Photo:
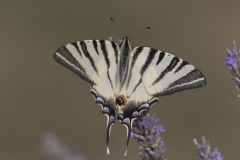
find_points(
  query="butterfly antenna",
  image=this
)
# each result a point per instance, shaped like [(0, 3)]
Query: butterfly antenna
[(139, 31), (127, 143), (118, 27)]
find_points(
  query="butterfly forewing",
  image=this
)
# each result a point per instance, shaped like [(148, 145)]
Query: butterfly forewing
[(164, 74), (90, 59)]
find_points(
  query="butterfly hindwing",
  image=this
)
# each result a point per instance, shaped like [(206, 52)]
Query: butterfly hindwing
[(108, 109)]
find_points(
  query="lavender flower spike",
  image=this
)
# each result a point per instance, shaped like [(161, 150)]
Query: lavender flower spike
[(204, 151), (52, 148), (233, 63), (147, 132)]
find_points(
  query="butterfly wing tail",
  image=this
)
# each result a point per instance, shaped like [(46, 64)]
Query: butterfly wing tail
[(128, 124), (108, 110), (110, 113), (128, 137), (110, 122)]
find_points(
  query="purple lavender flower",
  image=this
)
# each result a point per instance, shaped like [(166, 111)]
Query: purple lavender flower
[(53, 149), (147, 132), (216, 155), (120, 41), (203, 151), (233, 63)]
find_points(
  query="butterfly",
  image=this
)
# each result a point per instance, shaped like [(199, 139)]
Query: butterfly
[(126, 80)]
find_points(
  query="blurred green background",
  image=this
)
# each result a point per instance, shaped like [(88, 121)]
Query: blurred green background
[(38, 95)]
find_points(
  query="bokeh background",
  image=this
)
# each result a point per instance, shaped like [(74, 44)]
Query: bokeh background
[(38, 95)]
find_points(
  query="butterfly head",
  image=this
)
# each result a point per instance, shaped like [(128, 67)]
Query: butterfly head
[(125, 42)]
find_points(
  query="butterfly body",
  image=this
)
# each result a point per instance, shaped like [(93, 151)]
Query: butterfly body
[(125, 80)]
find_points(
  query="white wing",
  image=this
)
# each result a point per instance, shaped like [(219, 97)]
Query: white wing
[(92, 60), (163, 73)]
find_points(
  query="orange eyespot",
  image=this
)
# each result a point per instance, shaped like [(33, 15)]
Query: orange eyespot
[(121, 100)]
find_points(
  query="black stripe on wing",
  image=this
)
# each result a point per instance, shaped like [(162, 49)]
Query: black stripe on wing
[(169, 68), (183, 64), (64, 57), (105, 53), (134, 58), (153, 101), (95, 46), (77, 48), (88, 56), (135, 87), (114, 45), (110, 80), (194, 79), (160, 58), (94, 95), (150, 57)]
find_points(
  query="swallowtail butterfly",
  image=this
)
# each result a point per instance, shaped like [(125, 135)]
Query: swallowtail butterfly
[(127, 80)]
